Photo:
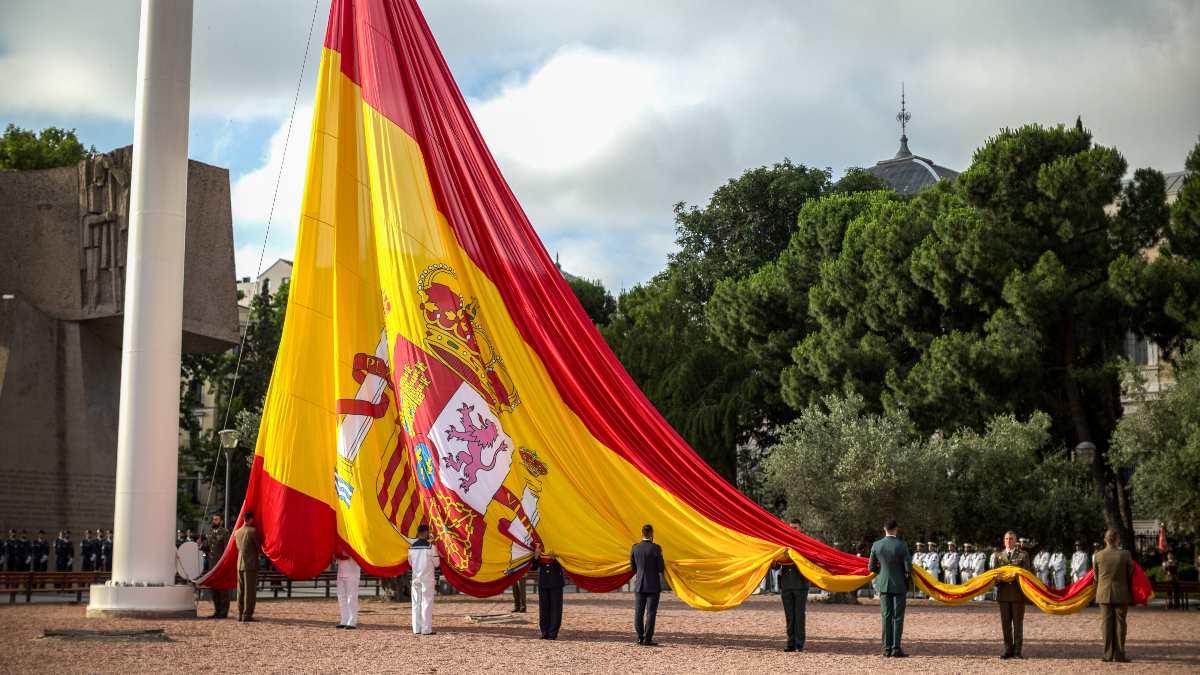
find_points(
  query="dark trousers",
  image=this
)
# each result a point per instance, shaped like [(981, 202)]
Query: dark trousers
[(1012, 620), (220, 599), (644, 611), (518, 591), (247, 593), (1114, 631), (891, 607), (794, 604), (550, 606)]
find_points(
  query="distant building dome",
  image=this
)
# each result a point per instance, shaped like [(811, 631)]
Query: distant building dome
[(907, 173)]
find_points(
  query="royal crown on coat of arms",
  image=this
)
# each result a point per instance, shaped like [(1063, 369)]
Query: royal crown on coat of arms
[(455, 336)]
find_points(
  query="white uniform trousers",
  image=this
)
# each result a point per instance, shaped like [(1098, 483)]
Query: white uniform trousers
[(348, 573), (422, 605)]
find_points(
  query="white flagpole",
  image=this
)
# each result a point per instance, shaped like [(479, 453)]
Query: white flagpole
[(143, 579)]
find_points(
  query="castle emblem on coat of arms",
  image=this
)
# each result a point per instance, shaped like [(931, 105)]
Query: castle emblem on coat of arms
[(455, 337)]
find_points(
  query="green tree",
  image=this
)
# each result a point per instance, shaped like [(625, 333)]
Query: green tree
[(710, 393), (239, 401), (765, 314), (1014, 475), (23, 149), (843, 472), (860, 180), (992, 296), (1164, 289), (1160, 444), (595, 298)]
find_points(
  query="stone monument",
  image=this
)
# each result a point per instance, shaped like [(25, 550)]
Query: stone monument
[(63, 238)]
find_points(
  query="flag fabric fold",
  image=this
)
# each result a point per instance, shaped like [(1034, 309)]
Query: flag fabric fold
[(435, 367)]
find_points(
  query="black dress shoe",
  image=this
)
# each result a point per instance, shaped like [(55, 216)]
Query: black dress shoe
[(898, 654), (1006, 655), (789, 649), (340, 625), (649, 643), (641, 641), (351, 627)]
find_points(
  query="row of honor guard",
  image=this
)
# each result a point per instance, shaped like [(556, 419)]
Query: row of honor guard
[(1053, 568), (19, 553)]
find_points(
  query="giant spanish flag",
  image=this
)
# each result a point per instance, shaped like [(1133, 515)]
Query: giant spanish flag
[(436, 368)]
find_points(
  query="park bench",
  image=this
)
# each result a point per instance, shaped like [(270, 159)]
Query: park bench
[(1186, 588), (29, 583)]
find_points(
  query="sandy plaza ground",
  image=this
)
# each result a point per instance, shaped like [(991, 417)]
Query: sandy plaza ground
[(298, 636)]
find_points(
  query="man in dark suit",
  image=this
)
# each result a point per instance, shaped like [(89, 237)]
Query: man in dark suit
[(1114, 593), (892, 564), (793, 589), (1010, 597), (550, 592), (646, 559)]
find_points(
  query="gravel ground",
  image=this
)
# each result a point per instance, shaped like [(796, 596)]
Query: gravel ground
[(298, 635)]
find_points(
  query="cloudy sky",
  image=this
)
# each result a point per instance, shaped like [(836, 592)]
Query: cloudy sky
[(604, 114)]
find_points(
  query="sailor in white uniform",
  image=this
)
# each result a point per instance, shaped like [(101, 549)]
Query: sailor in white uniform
[(1041, 566), (1079, 562), (950, 564), (933, 561), (423, 560), (348, 573), (1058, 568)]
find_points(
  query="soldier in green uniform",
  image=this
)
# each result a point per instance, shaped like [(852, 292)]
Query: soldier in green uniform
[(249, 544), (214, 546), (892, 564), (793, 589), (1010, 597), (1114, 593)]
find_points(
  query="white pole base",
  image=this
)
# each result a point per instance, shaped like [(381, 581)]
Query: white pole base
[(142, 602)]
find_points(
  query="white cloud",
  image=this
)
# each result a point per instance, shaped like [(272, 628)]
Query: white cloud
[(79, 57), (603, 115), (253, 194)]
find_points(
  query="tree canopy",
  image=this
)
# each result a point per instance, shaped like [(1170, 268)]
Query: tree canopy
[(23, 149), (1160, 444), (993, 295), (843, 470)]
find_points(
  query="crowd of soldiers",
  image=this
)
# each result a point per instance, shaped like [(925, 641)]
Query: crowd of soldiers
[(19, 553), (1050, 564)]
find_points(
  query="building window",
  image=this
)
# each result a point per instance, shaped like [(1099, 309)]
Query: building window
[(1140, 351)]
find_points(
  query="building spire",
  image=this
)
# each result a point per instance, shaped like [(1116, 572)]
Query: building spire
[(903, 118)]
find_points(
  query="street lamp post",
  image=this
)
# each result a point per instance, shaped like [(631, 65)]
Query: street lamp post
[(229, 439)]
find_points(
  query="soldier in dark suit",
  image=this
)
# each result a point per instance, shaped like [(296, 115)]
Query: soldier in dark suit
[(1114, 593), (64, 552), (24, 552), (1010, 597), (106, 549), (8, 550), (891, 562), (41, 552), (551, 581), (647, 562), (793, 590), (249, 543), (87, 552), (214, 546)]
